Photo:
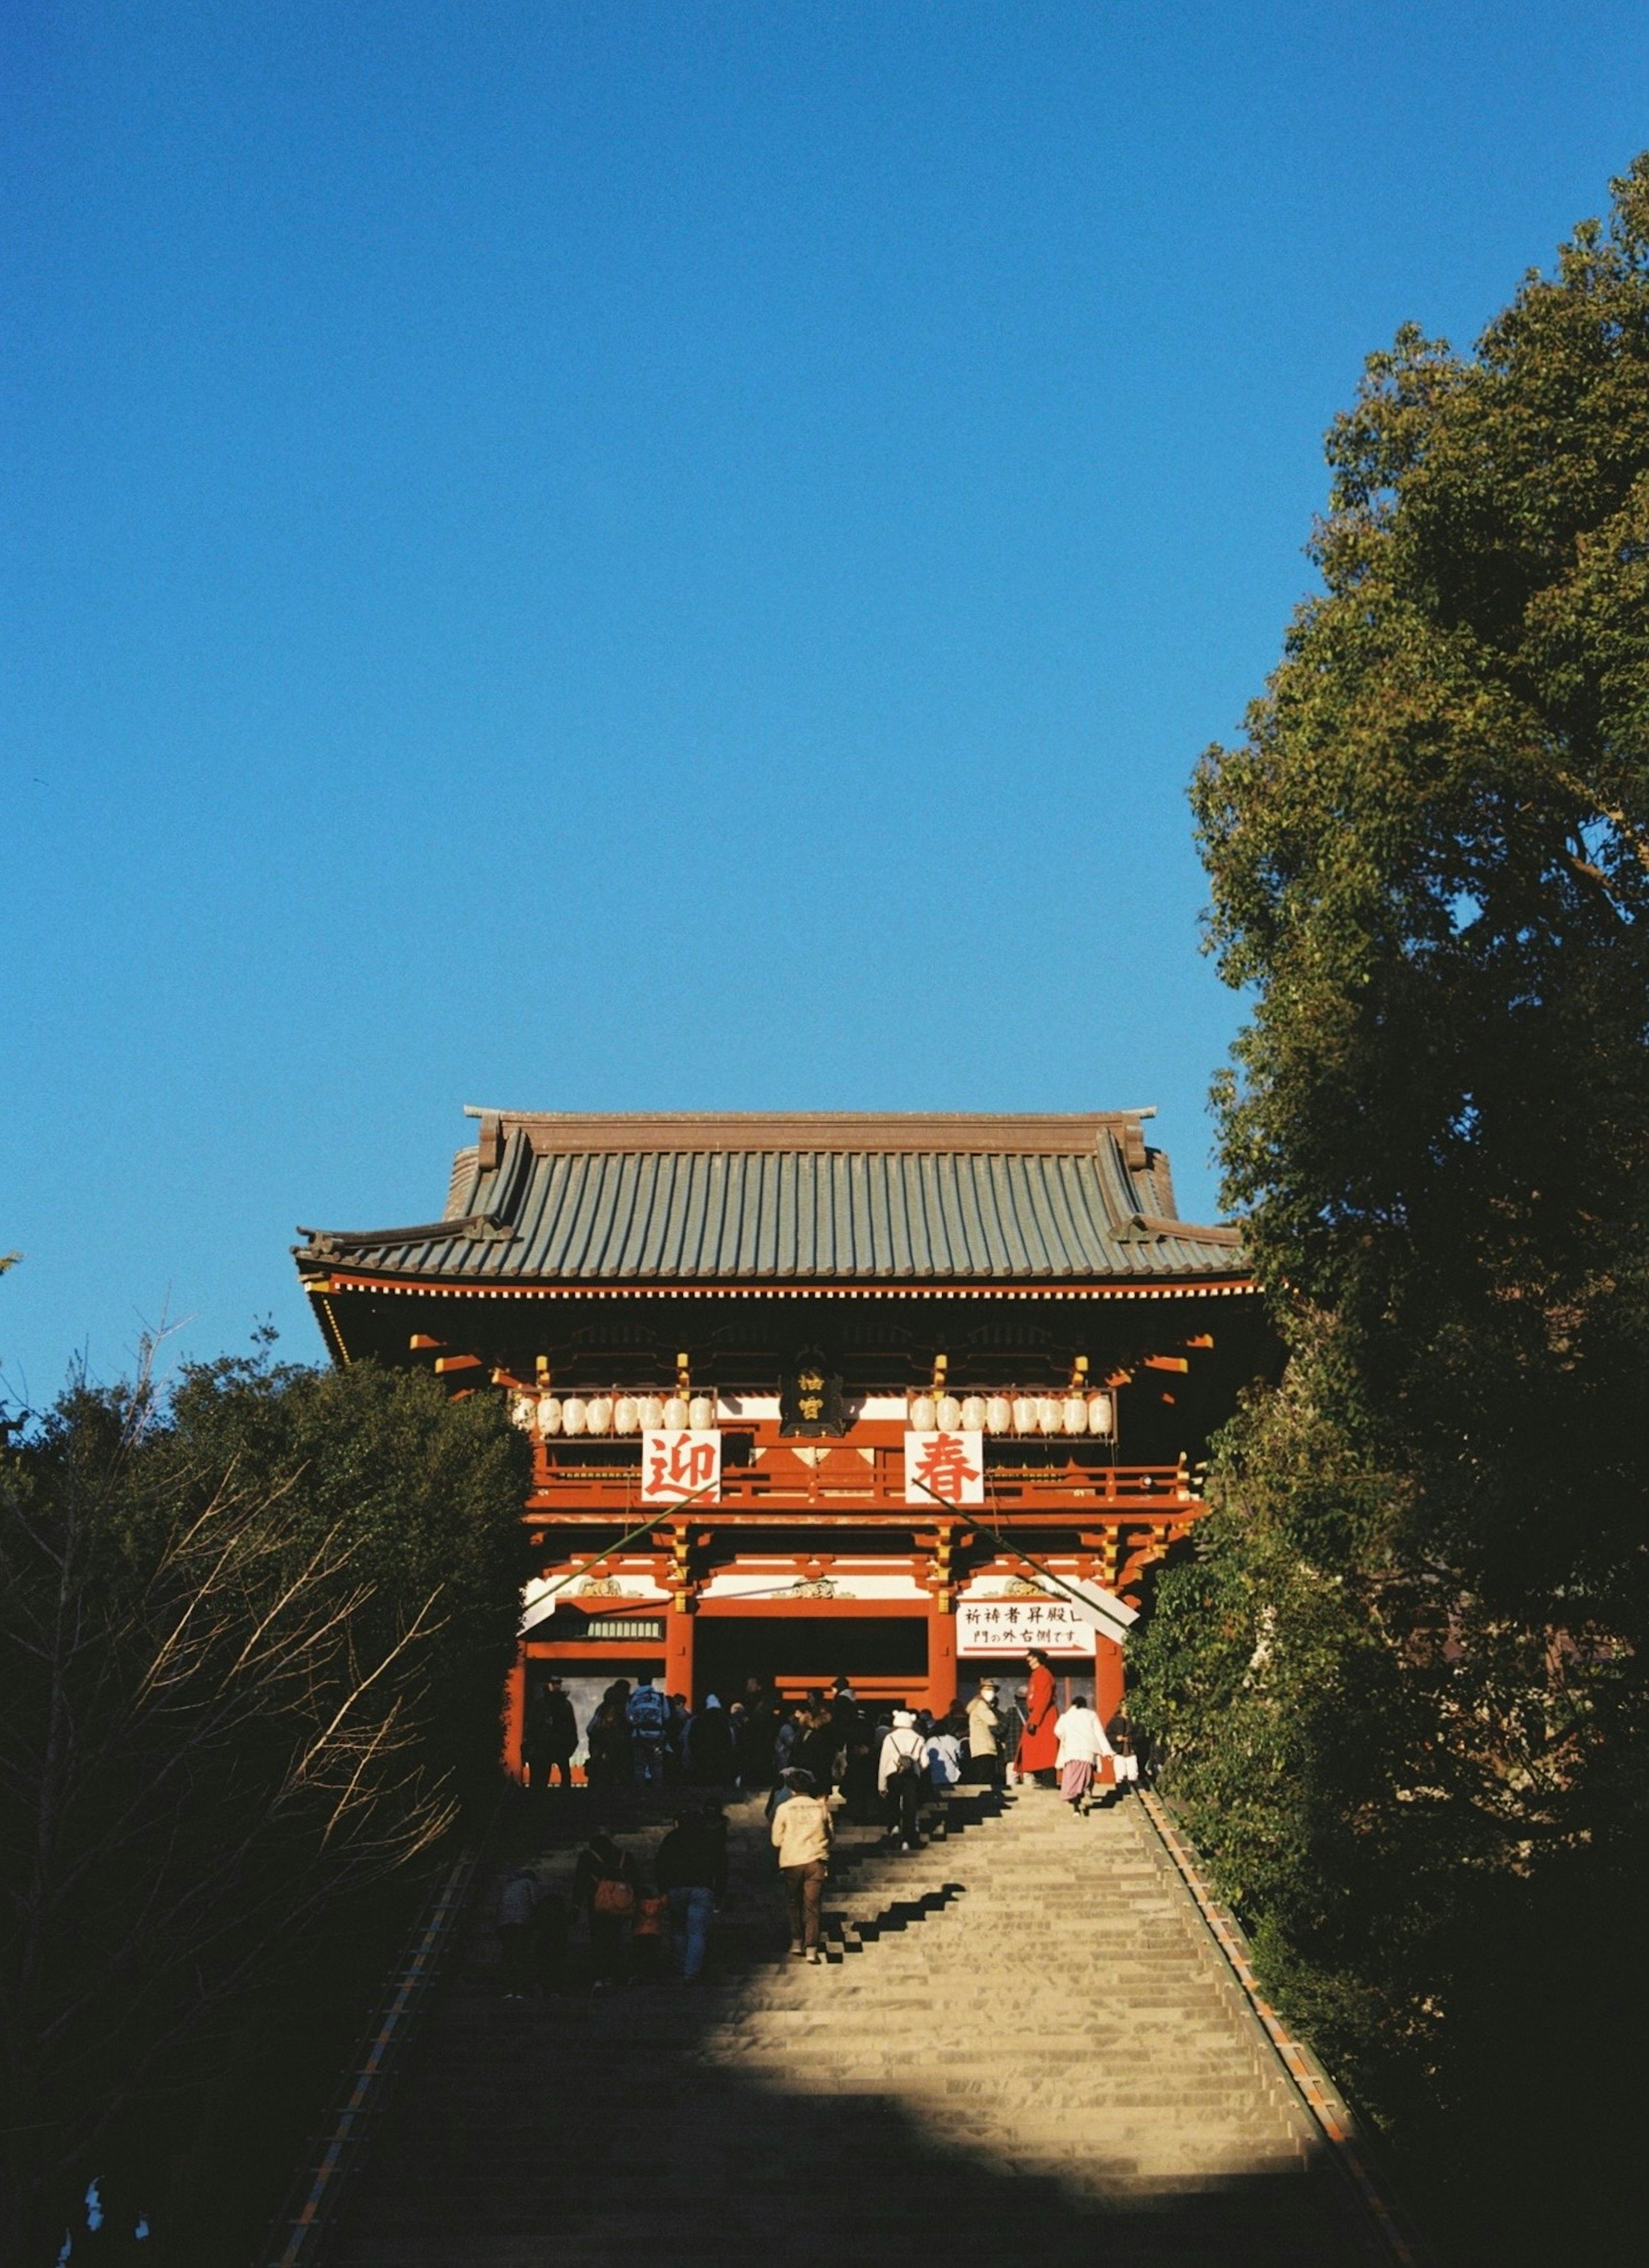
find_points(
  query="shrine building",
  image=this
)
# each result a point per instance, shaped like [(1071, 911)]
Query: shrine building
[(892, 1397)]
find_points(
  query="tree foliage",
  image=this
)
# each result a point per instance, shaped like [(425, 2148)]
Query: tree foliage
[(251, 1640), (1402, 1679)]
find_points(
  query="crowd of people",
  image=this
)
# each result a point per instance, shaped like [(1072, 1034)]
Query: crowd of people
[(823, 1753), (640, 1736)]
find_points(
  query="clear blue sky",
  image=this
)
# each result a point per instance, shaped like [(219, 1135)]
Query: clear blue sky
[(673, 556)]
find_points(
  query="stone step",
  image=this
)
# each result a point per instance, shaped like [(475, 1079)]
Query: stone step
[(1021, 2045)]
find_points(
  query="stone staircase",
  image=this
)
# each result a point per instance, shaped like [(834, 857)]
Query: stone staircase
[(1022, 2045)]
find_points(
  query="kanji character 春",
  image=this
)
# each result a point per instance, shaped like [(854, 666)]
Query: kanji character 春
[(942, 1467)]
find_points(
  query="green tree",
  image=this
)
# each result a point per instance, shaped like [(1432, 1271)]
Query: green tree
[(1403, 1680)]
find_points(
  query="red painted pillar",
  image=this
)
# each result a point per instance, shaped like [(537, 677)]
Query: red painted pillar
[(941, 1660), (1108, 1688), (514, 1715), (678, 1650)]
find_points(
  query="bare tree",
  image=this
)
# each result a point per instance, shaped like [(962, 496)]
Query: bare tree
[(200, 1749)]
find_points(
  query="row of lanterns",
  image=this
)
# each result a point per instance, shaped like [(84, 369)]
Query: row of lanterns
[(1015, 1413), (628, 1414), (602, 1414)]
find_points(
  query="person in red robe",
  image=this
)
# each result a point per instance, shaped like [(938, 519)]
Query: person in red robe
[(1038, 1743)]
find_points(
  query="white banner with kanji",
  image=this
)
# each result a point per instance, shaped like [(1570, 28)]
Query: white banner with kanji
[(1012, 1626), (944, 1469), (678, 1465)]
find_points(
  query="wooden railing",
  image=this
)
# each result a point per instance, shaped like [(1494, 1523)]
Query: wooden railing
[(856, 1482)]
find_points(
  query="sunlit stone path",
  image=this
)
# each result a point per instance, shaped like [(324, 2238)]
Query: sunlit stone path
[(1023, 2048)]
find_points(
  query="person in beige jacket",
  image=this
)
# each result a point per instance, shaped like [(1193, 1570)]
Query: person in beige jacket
[(802, 1830), (985, 1727)]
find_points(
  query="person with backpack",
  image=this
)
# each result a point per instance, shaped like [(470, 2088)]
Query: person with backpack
[(605, 1883), (647, 1714), (902, 1778)]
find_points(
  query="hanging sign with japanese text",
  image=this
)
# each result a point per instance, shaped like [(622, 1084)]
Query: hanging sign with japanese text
[(944, 1469), (1010, 1625), (678, 1465)]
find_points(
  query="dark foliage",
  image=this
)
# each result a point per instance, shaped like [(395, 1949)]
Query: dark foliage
[(1403, 1680), (251, 1640)]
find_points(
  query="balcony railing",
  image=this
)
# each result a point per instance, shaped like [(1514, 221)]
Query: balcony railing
[(853, 1482)]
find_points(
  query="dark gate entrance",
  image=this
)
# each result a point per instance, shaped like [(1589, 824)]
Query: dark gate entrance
[(790, 1650)]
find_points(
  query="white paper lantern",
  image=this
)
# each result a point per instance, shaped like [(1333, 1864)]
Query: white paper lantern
[(1076, 1414), (973, 1414), (1101, 1416), (626, 1416), (1050, 1414), (652, 1412), (574, 1411), (550, 1416), (598, 1417), (1024, 1414), (523, 1412), (998, 1414), (922, 1414), (947, 1413), (675, 1413), (701, 1413)]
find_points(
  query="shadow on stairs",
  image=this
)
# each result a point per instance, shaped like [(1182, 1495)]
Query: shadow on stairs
[(1018, 2050)]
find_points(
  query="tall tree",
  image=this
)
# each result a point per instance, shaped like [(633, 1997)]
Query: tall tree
[(1403, 1679)]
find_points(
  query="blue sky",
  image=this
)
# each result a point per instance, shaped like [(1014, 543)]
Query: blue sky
[(678, 556)]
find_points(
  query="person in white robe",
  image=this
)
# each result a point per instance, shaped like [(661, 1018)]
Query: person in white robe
[(1082, 1748)]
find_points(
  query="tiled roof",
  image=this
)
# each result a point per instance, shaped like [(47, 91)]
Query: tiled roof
[(831, 1197)]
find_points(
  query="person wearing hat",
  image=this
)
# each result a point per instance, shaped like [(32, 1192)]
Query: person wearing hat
[(985, 1735), (561, 1733), (801, 1835), (550, 1735), (902, 1778)]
